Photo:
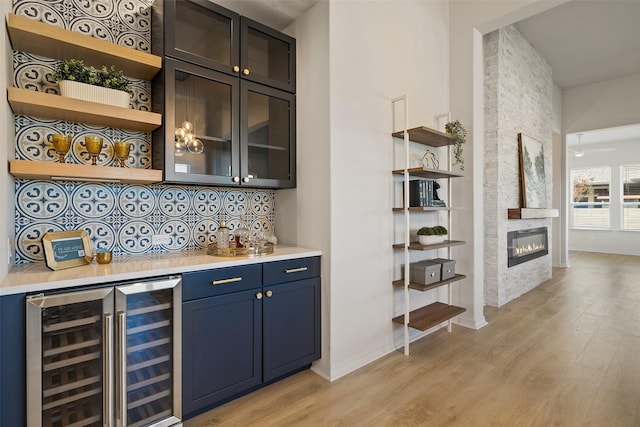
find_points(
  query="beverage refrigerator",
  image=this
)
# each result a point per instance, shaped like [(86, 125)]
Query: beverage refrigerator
[(108, 356)]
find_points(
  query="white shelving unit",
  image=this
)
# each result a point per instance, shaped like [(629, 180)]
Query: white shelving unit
[(436, 313)]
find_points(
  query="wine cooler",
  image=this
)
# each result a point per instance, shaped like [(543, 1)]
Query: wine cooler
[(108, 357)]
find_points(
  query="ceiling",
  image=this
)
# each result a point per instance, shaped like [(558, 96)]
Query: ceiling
[(277, 14), (587, 41)]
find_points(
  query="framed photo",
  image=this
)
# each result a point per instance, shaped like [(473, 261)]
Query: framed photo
[(533, 183), (64, 249)]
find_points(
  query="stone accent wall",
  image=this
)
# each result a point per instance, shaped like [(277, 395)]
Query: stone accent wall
[(518, 90)]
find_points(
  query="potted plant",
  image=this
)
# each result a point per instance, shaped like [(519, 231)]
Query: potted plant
[(432, 235), (105, 85), (459, 135)]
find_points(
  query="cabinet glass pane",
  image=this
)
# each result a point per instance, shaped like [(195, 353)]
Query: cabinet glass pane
[(268, 136), (149, 357), (203, 32), (206, 104), (267, 56), (72, 364)]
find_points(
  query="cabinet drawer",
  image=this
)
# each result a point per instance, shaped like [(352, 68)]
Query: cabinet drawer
[(290, 270), (219, 281)]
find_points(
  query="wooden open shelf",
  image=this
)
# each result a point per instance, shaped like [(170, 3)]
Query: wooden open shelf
[(430, 315), (422, 288), (428, 173), (426, 136), (415, 246), (49, 106), (423, 209), (48, 40), (32, 169)]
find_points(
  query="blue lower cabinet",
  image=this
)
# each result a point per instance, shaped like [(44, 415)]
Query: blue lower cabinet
[(291, 327), (236, 339), (13, 402), (222, 349)]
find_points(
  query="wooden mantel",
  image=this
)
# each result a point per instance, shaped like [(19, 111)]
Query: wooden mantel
[(531, 213)]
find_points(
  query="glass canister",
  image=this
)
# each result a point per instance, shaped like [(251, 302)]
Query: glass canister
[(222, 235)]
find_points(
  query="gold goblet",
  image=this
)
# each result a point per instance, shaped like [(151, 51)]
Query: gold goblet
[(94, 147), (122, 149), (61, 144)]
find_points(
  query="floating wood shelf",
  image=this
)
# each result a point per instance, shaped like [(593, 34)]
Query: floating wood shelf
[(428, 173), (418, 247), (48, 40), (423, 209), (426, 136), (32, 169), (423, 288), (49, 106), (431, 315), (530, 213)]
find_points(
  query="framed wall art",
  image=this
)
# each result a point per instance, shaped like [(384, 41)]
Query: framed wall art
[(64, 249), (533, 184)]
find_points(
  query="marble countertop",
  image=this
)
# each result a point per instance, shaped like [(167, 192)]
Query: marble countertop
[(38, 278)]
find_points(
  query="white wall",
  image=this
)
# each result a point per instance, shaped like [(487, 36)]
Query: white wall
[(614, 241), (303, 214), (7, 216), (371, 58)]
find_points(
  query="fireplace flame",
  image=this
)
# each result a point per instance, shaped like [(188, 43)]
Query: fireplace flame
[(523, 250)]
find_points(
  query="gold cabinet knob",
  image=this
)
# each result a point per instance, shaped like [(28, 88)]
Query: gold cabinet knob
[(245, 71), (236, 179), (269, 293), (236, 68), (259, 295)]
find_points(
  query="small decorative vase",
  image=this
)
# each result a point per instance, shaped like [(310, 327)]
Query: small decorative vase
[(93, 93)]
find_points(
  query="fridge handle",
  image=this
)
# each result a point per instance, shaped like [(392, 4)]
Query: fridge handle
[(121, 404), (107, 364)]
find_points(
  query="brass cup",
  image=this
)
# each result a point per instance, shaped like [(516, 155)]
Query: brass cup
[(94, 147), (61, 145), (122, 150), (103, 257)]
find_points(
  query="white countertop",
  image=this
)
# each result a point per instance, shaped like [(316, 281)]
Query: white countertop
[(37, 277)]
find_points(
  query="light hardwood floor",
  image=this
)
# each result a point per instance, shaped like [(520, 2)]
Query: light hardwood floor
[(565, 354)]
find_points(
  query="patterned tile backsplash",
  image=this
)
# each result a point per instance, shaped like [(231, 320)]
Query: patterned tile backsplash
[(119, 217)]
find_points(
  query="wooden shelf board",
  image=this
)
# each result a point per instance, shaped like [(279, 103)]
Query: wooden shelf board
[(428, 173), (33, 169), (418, 247), (48, 40), (422, 288), (530, 213), (430, 315), (46, 105), (423, 209), (426, 136)]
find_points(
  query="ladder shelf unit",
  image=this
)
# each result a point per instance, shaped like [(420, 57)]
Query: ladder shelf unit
[(438, 312)]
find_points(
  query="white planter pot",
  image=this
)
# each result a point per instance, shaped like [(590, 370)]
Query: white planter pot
[(93, 93), (431, 240)]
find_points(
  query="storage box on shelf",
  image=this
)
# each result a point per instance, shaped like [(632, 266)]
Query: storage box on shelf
[(49, 40), (436, 313)]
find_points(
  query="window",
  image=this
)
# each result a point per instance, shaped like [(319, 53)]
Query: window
[(590, 200), (631, 197)]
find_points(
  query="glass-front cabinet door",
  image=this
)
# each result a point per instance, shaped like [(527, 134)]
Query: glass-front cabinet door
[(267, 130), (199, 142), (200, 32), (267, 56)]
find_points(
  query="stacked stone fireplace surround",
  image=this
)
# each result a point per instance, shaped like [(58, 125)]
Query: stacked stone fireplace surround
[(518, 99)]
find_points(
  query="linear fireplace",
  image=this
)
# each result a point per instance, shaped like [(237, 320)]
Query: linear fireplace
[(525, 245)]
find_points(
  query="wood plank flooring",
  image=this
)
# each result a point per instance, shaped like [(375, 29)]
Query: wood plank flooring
[(565, 354)]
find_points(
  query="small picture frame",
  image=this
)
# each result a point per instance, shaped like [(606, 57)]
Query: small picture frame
[(533, 183), (64, 249)]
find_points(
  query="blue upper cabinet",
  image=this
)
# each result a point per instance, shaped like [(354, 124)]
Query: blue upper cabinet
[(211, 36)]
